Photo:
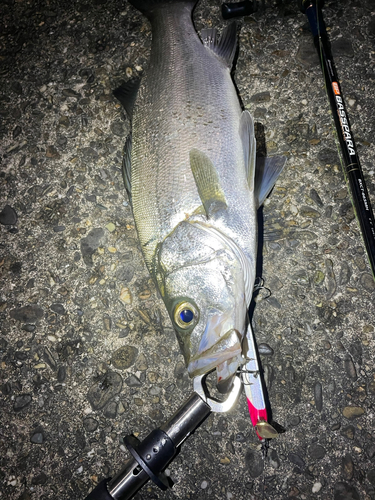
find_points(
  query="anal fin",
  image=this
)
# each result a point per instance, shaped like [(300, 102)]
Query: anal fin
[(126, 93), (266, 173)]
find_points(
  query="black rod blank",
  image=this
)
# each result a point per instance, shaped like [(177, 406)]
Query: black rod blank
[(353, 171)]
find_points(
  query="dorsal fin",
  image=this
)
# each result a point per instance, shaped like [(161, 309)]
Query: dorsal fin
[(208, 183), (126, 93), (249, 146), (226, 46)]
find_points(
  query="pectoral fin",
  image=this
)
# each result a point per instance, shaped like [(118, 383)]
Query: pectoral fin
[(208, 183), (266, 173)]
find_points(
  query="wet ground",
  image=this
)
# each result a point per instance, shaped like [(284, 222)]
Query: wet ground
[(88, 353)]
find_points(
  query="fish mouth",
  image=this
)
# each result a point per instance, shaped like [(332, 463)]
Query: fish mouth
[(225, 355)]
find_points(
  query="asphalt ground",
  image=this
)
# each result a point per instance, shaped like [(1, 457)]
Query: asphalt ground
[(88, 352)]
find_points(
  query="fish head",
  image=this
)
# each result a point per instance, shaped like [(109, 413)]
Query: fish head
[(202, 284)]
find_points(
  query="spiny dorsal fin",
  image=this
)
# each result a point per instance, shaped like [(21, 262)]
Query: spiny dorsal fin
[(249, 146), (266, 174), (208, 183), (150, 7), (126, 93), (226, 46)]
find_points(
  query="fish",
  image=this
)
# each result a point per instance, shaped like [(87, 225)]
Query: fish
[(195, 186)]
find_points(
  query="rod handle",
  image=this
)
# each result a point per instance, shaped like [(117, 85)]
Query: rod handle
[(237, 9)]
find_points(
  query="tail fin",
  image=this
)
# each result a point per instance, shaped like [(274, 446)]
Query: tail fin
[(148, 7)]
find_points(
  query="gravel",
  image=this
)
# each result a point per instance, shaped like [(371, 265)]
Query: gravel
[(88, 354)]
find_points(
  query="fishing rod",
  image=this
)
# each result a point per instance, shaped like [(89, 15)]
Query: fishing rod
[(352, 168)]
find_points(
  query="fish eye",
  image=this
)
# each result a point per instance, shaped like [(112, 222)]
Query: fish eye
[(185, 315)]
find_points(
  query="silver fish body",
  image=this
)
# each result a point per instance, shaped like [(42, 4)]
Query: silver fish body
[(191, 181)]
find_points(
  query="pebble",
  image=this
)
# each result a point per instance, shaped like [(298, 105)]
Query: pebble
[(342, 47), (371, 476), (367, 281), (296, 460), (61, 374), (142, 364), (347, 467), (294, 420), (90, 244), (117, 128), (316, 487), (125, 273), (90, 424), (309, 212), (225, 461), (274, 302), (133, 381), (273, 459), (352, 412), (124, 357), (319, 277), (204, 485), (301, 278), (70, 93), (49, 359), (316, 198), (254, 463), (52, 153), (126, 296), (37, 438), (344, 491), (261, 97), (370, 451), (28, 327), (268, 375), (27, 314), (104, 389), (153, 377), (316, 451), (318, 396), (41, 478), (348, 431), (331, 280), (345, 274), (58, 308), (350, 367), (306, 55), (22, 401), (8, 216), (110, 411), (371, 387), (89, 153)]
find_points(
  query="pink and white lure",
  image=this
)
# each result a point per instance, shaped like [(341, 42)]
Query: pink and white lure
[(254, 391)]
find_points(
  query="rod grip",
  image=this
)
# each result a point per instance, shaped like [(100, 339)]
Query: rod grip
[(237, 9), (100, 492)]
